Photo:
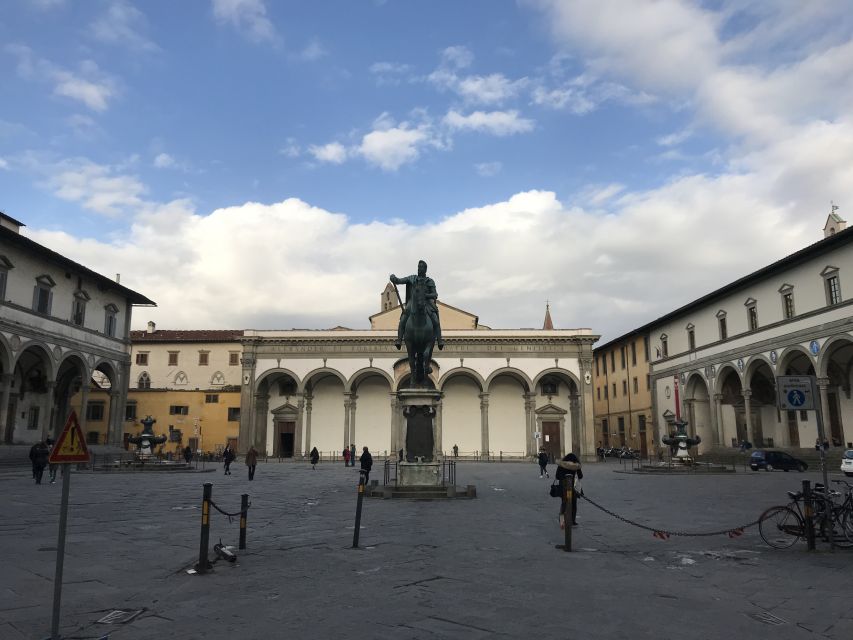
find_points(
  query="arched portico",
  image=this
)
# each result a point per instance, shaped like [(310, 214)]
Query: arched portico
[(700, 411), (30, 395), (835, 367)]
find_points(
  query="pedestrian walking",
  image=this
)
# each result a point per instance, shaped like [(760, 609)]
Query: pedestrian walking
[(252, 462), (570, 468), (39, 454), (315, 457), (228, 457), (455, 451), (366, 461), (52, 468), (346, 456), (188, 454), (352, 454), (543, 463)]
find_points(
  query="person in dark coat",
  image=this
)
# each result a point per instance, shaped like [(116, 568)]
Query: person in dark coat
[(570, 468), (347, 457), (52, 468), (543, 463), (252, 462), (366, 461), (352, 454), (39, 454), (315, 457), (188, 454), (228, 457)]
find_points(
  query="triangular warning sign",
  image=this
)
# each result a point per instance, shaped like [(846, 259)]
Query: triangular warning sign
[(70, 446)]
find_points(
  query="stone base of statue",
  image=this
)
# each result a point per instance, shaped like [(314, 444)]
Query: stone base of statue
[(421, 466)]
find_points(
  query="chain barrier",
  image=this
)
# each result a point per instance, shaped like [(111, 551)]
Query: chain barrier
[(236, 514), (663, 534)]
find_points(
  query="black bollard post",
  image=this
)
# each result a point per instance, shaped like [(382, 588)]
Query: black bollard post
[(355, 532), (203, 565), (809, 513), (568, 517), (244, 508)]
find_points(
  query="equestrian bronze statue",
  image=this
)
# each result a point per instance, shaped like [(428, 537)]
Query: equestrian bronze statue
[(419, 326)]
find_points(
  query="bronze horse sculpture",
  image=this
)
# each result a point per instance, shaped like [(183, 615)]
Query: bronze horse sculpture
[(419, 336)]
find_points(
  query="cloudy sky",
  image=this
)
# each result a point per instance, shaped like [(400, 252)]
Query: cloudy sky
[(260, 164)]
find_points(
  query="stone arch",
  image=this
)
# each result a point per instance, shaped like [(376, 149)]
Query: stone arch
[(730, 417), (461, 371), (754, 364), (319, 373), (792, 353), (358, 376), (41, 350), (274, 373), (828, 350), (264, 426), (72, 375), (559, 372), (697, 397), (108, 368), (835, 364), (512, 372), (5, 355), (722, 375)]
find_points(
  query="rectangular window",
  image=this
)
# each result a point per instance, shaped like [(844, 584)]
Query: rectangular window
[(622, 356), (636, 386), (691, 340), (642, 423), (788, 305), (42, 300), (596, 368), (605, 392), (833, 290), (612, 361), (3, 273), (648, 382), (130, 411), (211, 398), (624, 387), (621, 430), (95, 411), (33, 418), (614, 390), (173, 358), (724, 333), (142, 359), (664, 350), (598, 390), (203, 358), (633, 354), (234, 358), (646, 348), (78, 311), (92, 437), (233, 414), (110, 324), (178, 410), (752, 318)]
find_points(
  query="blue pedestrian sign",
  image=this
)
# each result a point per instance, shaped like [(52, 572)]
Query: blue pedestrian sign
[(795, 393)]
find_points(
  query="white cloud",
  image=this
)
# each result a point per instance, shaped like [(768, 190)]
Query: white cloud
[(389, 73), (674, 139), (391, 148), (164, 161), (332, 153), (122, 25), (313, 51), (290, 149), (499, 123), (87, 85), (488, 169), (98, 188), (4, 164), (457, 57), (247, 16)]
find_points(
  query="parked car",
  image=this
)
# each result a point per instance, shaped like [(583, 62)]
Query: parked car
[(847, 463), (769, 460)]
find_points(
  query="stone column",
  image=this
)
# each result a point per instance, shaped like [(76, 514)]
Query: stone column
[(297, 439), (747, 407), (396, 425), (691, 416), (308, 399), (530, 421), (347, 412), (484, 421), (574, 412), (84, 401), (5, 389), (586, 421), (259, 422), (823, 390), (352, 408), (122, 384), (717, 417), (114, 426), (247, 408)]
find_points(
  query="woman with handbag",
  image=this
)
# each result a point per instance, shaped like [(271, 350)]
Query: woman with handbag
[(570, 468)]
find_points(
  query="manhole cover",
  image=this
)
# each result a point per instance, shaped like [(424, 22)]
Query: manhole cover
[(767, 618), (119, 616)]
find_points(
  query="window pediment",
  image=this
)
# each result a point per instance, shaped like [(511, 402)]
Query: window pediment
[(786, 288), (721, 313), (828, 271), (750, 302), (550, 410), (663, 336), (690, 326), (111, 308), (5, 263), (285, 411), (46, 280), (80, 294)]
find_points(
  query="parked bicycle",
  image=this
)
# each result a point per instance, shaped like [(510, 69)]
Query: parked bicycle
[(781, 526)]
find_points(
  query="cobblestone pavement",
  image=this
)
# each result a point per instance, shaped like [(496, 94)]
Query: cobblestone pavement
[(441, 569)]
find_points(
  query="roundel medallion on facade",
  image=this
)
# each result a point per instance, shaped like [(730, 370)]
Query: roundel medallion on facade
[(57, 353), (814, 347), (15, 343), (740, 363), (773, 356)]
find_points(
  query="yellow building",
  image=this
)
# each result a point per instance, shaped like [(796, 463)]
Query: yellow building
[(622, 398)]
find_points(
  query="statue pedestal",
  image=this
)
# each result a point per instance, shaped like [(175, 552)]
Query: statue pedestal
[(419, 474), (419, 437)]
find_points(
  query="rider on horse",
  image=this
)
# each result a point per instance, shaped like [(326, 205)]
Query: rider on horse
[(431, 296)]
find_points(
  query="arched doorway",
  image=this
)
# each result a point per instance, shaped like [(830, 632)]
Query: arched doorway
[(699, 417), (462, 412)]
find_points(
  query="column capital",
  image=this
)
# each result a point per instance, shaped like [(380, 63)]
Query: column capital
[(484, 396), (823, 383), (718, 397), (746, 393)]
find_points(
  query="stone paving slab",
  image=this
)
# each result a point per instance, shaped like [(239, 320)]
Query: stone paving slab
[(426, 569)]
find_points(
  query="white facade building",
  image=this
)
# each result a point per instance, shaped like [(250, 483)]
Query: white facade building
[(60, 324), (721, 354)]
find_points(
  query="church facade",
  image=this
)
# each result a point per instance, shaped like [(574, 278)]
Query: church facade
[(504, 393)]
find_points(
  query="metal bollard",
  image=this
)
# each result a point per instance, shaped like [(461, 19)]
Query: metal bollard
[(244, 509), (355, 532), (203, 564), (809, 513)]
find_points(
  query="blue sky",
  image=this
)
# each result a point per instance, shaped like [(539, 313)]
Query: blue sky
[(258, 164)]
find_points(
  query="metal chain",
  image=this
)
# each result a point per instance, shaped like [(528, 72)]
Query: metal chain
[(732, 532), (225, 513)]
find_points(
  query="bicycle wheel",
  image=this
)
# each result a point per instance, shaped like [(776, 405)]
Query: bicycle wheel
[(780, 527), (843, 528)]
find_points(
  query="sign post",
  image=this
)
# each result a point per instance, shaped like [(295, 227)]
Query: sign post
[(70, 448)]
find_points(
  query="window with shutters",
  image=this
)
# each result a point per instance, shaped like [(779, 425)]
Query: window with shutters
[(43, 294)]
